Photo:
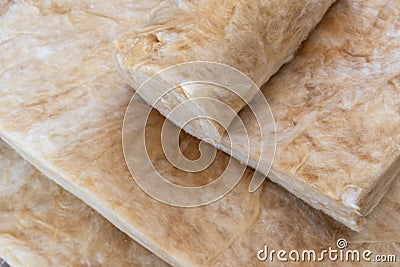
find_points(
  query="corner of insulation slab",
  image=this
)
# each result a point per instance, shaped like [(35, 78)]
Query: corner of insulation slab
[(351, 195)]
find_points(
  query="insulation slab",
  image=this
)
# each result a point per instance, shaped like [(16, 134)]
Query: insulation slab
[(41, 224), (256, 37), (336, 106), (65, 118)]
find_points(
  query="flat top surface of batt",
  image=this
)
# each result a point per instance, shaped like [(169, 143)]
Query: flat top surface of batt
[(65, 117), (44, 225)]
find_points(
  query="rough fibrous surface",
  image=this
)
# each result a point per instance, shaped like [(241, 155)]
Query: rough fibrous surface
[(336, 104), (43, 225), (336, 107), (62, 108), (255, 37)]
